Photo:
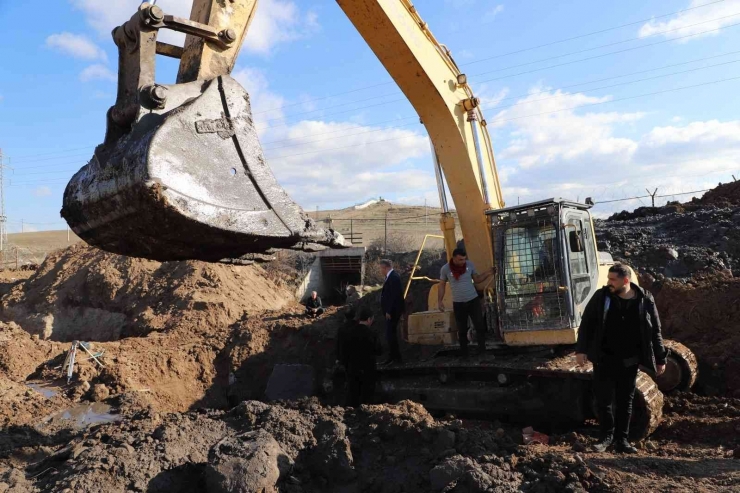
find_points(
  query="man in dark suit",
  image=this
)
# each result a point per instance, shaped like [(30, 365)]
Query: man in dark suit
[(360, 348), (391, 300)]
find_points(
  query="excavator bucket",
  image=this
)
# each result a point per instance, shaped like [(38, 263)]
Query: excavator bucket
[(181, 174)]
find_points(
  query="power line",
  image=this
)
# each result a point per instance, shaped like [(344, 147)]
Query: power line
[(23, 157), (531, 63), (569, 86), (504, 120), (596, 56), (626, 83), (591, 33), (647, 196), (616, 100), (497, 56), (403, 99), (619, 42), (52, 158)]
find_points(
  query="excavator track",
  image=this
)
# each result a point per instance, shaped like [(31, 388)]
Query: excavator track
[(681, 368), (541, 386)]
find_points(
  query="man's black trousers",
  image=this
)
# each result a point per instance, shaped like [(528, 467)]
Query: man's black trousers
[(614, 387), (469, 309), (392, 337), (360, 388)]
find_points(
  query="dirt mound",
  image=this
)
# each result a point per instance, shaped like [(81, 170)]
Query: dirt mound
[(723, 195), (678, 244), (704, 314), (84, 293), (374, 448), (307, 448)]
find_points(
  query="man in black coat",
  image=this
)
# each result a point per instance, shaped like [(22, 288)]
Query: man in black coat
[(314, 307), (391, 301), (620, 331), (360, 348)]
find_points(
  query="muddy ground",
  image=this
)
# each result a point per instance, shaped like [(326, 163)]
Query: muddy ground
[(188, 349)]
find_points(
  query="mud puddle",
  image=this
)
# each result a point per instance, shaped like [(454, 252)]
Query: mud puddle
[(84, 415), (46, 389)]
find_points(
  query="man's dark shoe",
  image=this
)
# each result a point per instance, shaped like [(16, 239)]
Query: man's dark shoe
[(624, 447), (602, 444)]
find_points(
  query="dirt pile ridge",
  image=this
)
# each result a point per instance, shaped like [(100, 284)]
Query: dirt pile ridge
[(704, 314), (163, 327), (380, 448), (86, 294), (723, 195)]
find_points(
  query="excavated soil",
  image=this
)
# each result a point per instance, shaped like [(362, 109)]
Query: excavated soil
[(382, 448), (82, 293), (189, 348)]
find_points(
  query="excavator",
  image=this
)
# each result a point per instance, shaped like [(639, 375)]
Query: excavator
[(181, 175)]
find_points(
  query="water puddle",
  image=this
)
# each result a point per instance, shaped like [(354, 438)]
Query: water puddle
[(86, 414), (46, 389)]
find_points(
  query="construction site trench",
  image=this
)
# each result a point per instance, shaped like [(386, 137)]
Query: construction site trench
[(186, 350)]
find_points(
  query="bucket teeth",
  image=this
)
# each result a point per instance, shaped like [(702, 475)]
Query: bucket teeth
[(188, 180)]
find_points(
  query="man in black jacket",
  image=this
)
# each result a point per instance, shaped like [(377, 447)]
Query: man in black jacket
[(391, 300), (360, 348), (620, 330), (314, 308)]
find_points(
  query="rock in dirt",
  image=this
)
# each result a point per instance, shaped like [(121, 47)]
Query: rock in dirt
[(248, 463), (99, 392), (14, 481), (332, 457)]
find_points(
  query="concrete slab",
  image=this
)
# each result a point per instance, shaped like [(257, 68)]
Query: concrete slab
[(290, 382)]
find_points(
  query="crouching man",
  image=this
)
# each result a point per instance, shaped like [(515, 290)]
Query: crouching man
[(620, 331), (314, 308)]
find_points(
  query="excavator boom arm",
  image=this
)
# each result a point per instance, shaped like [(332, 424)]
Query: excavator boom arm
[(430, 79)]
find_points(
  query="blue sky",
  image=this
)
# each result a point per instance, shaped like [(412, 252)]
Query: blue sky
[(604, 115)]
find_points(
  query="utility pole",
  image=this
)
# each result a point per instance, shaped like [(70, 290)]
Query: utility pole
[(652, 195), (22, 225), (385, 242), (425, 212), (3, 218)]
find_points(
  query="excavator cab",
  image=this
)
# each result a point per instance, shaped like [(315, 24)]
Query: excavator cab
[(547, 270), (181, 173)]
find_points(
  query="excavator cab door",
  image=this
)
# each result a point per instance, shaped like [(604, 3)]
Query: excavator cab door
[(581, 256)]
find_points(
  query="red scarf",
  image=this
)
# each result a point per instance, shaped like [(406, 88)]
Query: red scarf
[(458, 271)]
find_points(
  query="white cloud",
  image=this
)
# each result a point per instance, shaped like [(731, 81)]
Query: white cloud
[(488, 100), (103, 16), (76, 45), (332, 163), (491, 14), (276, 22), (714, 16), (546, 148), (42, 191), (97, 72)]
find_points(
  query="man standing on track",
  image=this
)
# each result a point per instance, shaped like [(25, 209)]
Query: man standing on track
[(391, 300), (620, 330), (461, 274)]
